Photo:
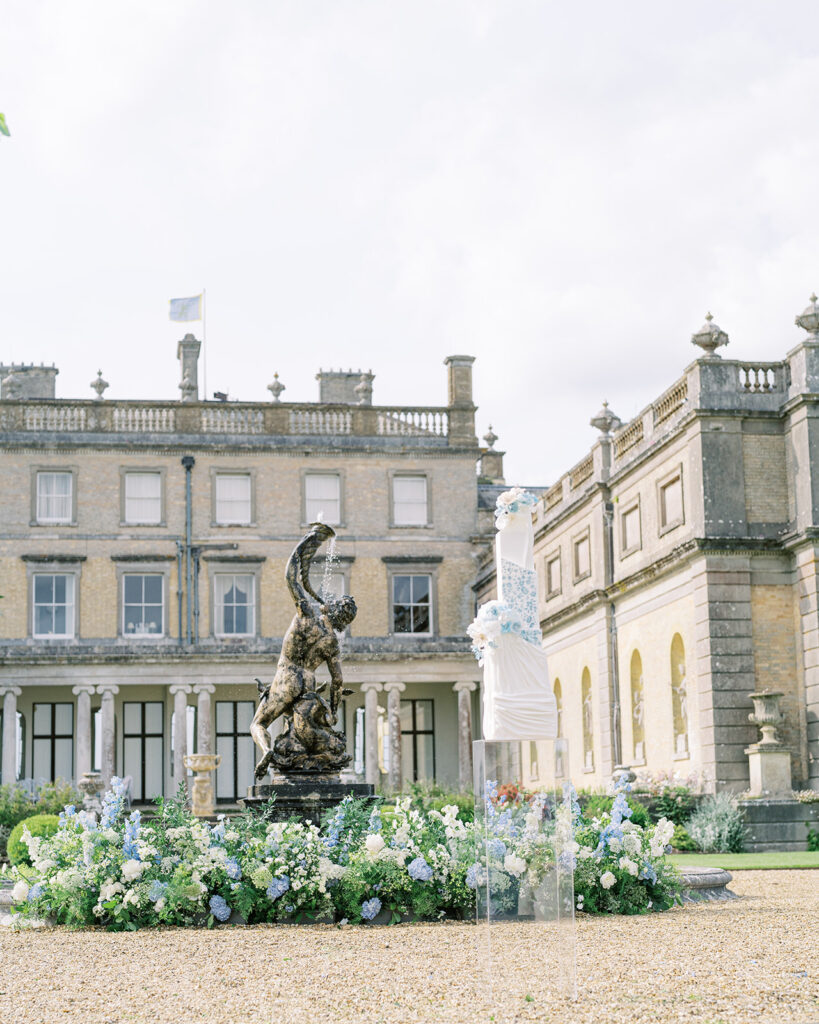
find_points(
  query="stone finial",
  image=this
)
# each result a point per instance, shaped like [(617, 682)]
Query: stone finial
[(490, 437), (99, 385), (808, 319), (606, 420), (188, 389), (709, 338), (364, 389), (276, 387)]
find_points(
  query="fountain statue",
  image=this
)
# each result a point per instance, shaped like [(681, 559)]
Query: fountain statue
[(309, 753)]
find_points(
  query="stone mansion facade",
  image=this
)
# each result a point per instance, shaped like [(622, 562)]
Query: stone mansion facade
[(142, 555), (678, 573)]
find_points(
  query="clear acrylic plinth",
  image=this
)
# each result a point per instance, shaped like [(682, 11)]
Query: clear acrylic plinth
[(524, 867)]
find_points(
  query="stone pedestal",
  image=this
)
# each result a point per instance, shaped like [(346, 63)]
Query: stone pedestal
[(202, 795), (770, 771), (304, 795)]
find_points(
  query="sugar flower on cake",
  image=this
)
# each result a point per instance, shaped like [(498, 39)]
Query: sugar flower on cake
[(493, 619), (510, 502)]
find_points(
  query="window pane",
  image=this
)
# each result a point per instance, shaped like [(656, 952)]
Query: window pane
[(424, 768), (64, 759), (153, 590), (143, 497), (54, 497), (132, 756), (406, 715), (420, 589), (224, 773), (423, 714), (42, 759), (224, 716), (153, 717), (43, 589), (410, 500), (244, 715), (246, 758), (63, 719), (133, 589), (407, 759), (42, 719), (402, 589), (420, 619), (59, 589), (322, 498), (43, 620), (402, 619), (132, 717), (153, 767), (233, 498)]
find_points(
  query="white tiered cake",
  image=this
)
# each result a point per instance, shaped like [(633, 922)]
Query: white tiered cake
[(518, 702)]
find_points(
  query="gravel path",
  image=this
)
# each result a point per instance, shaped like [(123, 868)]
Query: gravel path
[(750, 960)]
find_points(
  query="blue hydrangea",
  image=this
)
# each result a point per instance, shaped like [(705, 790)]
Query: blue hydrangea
[(289, 908), (474, 876), (648, 873), (496, 848), (419, 870), (156, 890), (219, 909), (369, 908), (233, 868), (35, 892), (278, 887)]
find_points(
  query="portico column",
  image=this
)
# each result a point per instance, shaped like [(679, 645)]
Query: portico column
[(108, 690), (10, 695), (465, 691), (82, 760), (203, 728), (394, 691), (180, 693), (370, 691)]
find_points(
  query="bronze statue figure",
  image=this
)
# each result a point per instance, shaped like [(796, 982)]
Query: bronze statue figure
[(309, 743)]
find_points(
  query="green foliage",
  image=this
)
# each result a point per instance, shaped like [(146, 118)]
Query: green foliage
[(682, 840), (5, 832), (596, 804), (677, 803), (432, 796), (43, 825), (813, 839), (50, 798), (717, 826)]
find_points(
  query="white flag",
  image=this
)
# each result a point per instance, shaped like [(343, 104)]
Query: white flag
[(187, 309)]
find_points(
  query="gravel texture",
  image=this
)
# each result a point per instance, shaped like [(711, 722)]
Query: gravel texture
[(748, 960)]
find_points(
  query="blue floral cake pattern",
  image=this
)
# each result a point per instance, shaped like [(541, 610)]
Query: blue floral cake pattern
[(520, 591)]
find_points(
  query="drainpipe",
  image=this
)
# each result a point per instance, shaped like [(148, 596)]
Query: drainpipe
[(188, 462), (614, 670), (196, 594), (179, 547)]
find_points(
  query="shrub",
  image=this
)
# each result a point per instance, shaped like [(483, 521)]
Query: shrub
[(681, 840), (5, 832), (597, 804), (813, 839), (44, 825), (16, 803), (677, 803), (717, 826), (431, 796)]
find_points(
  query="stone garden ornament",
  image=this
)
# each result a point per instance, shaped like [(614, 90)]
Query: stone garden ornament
[(309, 742)]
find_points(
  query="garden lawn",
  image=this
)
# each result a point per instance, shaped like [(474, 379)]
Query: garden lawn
[(748, 861), (746, 961)]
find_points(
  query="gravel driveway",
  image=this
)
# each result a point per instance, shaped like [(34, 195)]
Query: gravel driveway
[(749, 960)]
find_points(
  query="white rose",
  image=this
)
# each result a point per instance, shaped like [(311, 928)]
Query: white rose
[(607, 880), (375, 844), (19, 892)]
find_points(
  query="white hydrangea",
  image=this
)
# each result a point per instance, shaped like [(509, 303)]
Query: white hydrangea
[(607, 879), (132, 870), (19, 892), (628, 865), (514, 865), (615, 845), (631, 843), (109, 889), (327, 869)]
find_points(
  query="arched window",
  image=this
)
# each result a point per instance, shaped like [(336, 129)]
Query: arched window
[(558, 692), (588, 721), (679, 695), (638, 709)]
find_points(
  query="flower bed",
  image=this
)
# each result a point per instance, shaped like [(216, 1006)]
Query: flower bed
[(125, 873)]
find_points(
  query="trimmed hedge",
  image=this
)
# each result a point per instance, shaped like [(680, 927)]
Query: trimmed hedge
[(44, 825)]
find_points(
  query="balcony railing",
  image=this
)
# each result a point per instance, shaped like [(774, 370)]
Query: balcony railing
[(232, 418)]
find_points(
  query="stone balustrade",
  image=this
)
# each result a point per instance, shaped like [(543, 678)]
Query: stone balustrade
[(67, 416)]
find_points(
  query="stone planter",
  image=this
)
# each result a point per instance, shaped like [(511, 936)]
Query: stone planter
[(203, 765)]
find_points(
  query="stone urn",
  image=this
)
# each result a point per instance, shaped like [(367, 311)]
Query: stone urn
[(767, 716), (91, 784), (202, 797)]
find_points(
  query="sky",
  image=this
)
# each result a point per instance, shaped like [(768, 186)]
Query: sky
[(560, 190)]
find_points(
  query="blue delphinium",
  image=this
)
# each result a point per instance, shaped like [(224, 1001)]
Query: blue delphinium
[(278, 887), (219, 909), (68, 813), (112, 802), (570, 797), (369, 908), (419, 870), (620, 809), (474, 876), (129, 846), (156, 890), (233, 869), (35, 892), (375, 824)]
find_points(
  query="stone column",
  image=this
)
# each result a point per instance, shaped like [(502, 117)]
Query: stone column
[(394, 691), (203, 727), (10, 695), (83, 758), (465, 691), (108, 769), (180, 693), (370, 691)]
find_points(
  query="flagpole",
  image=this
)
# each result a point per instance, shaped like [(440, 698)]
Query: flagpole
[(204, 349)]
